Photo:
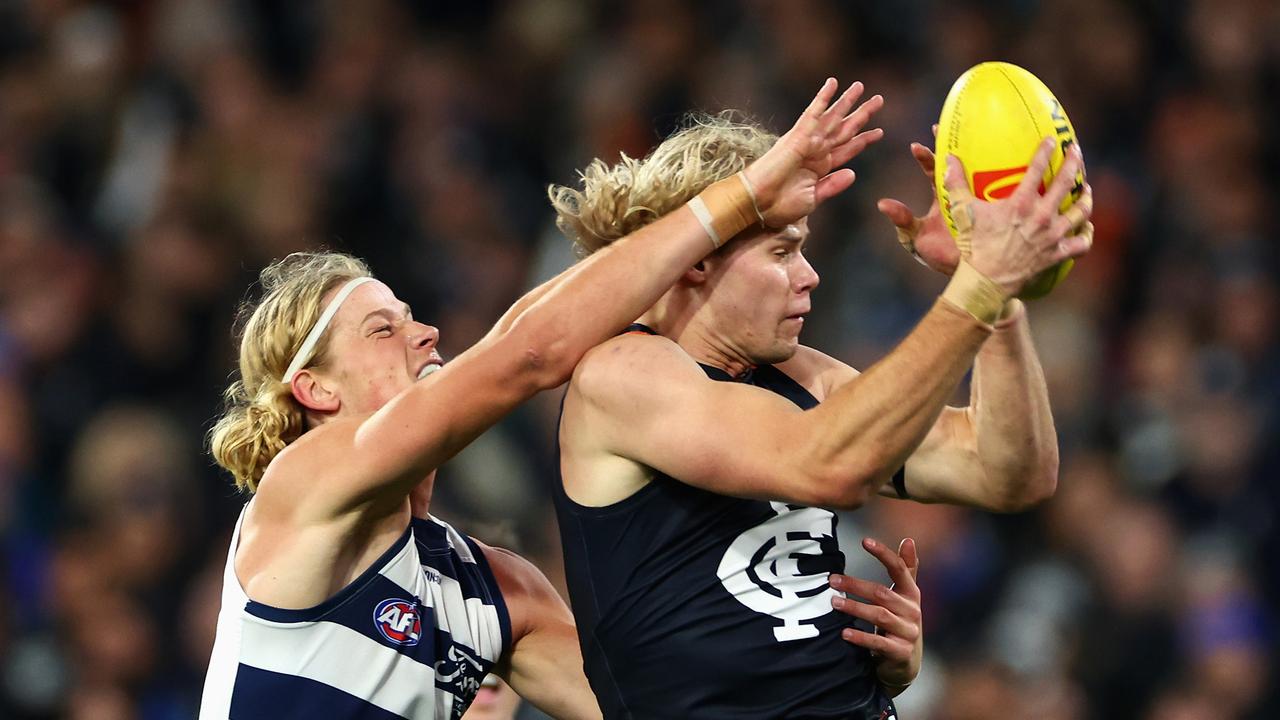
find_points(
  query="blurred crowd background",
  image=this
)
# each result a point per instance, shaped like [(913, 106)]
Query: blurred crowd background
[(155, 155)]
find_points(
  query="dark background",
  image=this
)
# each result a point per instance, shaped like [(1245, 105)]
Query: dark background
[(155, 155)]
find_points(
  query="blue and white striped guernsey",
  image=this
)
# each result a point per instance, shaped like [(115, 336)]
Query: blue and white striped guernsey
[(412, 637)]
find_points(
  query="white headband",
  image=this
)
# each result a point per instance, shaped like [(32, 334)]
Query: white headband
[(309, 345)]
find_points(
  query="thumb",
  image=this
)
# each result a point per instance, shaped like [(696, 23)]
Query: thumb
[(956, 181), (897, 212), (924, 158), (907, 551)]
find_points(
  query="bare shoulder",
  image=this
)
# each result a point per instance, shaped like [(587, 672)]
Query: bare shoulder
[(817, 371), (306, 478), (614, 368), (630, 354), (529, 595)]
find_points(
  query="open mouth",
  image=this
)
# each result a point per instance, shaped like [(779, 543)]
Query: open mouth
[(429, 368)]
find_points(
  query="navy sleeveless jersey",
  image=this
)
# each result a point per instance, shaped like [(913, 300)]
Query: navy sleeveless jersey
[(691, 604)]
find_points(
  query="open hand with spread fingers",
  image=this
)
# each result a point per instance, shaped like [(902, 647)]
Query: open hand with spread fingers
[(895, 611), (1010, 241), (803, 168)]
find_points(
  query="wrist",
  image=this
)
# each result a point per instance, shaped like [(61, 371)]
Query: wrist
[(1010, 313), (976, 294), (726, 208), (894, 683)]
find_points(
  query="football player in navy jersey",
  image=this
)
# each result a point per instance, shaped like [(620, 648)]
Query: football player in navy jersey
[(342, 597), (702, 452)]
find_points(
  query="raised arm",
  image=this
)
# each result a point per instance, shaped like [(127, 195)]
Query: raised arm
[(384, 455), (738, 440), (642, 398), (1000, 453)]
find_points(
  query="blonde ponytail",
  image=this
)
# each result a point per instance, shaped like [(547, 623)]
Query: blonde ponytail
[(261, 415), (253, 431)]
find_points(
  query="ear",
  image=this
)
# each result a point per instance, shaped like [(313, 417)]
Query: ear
[(696, 275), (314, 395)]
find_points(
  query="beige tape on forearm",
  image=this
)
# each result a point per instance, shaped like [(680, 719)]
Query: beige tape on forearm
[(725, 209), (975, 293)]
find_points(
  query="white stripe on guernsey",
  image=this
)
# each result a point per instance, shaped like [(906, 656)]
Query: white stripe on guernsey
[(343, 658), (215, 700), (456, 541), (470, 621)]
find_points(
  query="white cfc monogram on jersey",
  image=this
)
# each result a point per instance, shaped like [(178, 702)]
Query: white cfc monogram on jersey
[(782, 567)]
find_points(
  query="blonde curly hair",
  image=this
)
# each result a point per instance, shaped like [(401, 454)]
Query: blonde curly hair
[(261, 415), (617, 200)]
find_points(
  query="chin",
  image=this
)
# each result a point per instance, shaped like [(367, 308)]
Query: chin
[(779, 352)]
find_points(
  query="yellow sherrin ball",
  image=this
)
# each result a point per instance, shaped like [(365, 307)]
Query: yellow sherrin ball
[(993, 119)]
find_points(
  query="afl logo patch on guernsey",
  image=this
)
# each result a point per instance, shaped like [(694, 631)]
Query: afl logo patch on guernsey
[(398, 621)]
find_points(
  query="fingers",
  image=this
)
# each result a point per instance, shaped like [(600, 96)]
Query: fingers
[(891, 648), (1065, 179), (907, 551), (1076, 245), (904, 626), (1081, 210), (935, 130), (822, 99), (833, 184), (856, 120), (1073, 220), (1030, 184), (840, 108), (892, 562), (894, 600), (842, 154), (924, 158)]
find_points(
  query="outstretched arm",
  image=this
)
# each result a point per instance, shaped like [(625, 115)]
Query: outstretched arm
[(383, 456)]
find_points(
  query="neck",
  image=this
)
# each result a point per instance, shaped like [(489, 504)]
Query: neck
[(687, 322)]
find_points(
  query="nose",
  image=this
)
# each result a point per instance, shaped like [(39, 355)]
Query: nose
[(805, 278), (424, 336)]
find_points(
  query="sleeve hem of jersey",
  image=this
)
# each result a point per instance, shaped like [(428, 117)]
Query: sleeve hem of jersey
[(499, 602)]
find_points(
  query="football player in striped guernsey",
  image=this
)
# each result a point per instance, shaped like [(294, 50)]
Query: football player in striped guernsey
[(342, 596)]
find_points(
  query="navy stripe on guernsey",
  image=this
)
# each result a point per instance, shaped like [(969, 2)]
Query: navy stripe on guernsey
[(411, 637), (692, 605), (262, 693)]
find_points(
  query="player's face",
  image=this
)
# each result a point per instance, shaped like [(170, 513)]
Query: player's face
[(760, 293), (376, 349)]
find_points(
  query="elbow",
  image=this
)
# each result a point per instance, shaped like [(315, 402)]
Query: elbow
[(543, 357), (1030, 487), (1044, 483), (846, 488)]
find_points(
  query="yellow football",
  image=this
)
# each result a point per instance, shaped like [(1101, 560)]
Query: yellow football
[(993, 119)]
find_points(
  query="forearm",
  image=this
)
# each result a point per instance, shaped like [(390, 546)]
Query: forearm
[(594, 301), (552, 679), (1017, 444), (528, 299), (868, 427)]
